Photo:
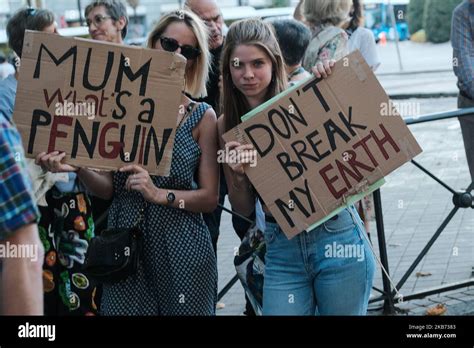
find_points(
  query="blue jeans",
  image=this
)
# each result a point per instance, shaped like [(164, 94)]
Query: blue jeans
[(328, 271)]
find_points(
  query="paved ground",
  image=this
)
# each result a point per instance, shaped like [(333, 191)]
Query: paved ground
[(417, 57), (413, 204)]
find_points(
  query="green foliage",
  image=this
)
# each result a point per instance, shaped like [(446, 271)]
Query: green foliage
[(415, 15), (281, 3), (437, 19)]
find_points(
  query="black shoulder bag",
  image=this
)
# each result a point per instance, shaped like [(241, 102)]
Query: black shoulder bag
[(114, 255)]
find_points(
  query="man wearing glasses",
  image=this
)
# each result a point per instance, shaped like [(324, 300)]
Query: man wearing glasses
[(462, 40), (209, 12)]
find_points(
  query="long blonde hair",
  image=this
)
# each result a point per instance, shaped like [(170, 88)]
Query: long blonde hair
[(260, 34), (196, 77)]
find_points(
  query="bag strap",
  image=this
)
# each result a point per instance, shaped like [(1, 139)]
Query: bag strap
[(189, 111), (326, 35), (329, 33)]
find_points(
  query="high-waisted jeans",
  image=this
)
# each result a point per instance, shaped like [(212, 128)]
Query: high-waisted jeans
[(328, 271)]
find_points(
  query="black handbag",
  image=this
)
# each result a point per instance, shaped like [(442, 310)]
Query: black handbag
[(114, 255), (249, 263)]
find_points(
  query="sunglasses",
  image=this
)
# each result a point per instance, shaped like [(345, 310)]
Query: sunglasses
[(171, 45)]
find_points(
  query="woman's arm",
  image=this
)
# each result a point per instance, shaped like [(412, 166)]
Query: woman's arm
[(98, 183), (206, 197), (202, 200), (240, 191), (21, 283)]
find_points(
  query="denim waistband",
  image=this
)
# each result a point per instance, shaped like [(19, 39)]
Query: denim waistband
[(271, 219)]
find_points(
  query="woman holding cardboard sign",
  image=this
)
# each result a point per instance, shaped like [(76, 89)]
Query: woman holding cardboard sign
[(303, 276), (177, 273)]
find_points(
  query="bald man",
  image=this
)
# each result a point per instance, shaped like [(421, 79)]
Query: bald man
[(209, 12)]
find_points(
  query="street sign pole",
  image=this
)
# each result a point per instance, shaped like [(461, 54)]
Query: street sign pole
[(394, 26)]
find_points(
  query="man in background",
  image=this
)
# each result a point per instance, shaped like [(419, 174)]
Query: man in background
[(463, 63), (210, 13)]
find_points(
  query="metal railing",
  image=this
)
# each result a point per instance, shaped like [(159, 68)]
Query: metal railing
[(460, 200)]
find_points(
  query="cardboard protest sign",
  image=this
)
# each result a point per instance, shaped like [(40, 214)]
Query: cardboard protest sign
[(322, 144), (105, 105)]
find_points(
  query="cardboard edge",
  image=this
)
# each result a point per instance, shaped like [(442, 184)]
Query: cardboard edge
[(356, 65), (350, 200), (263, 106), (176, 61), (28, 41)]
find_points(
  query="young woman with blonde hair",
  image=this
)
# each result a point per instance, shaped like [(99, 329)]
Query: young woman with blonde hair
[(299, 278), (177, 274)]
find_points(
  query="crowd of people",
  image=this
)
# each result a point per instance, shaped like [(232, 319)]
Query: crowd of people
[(177, 273)]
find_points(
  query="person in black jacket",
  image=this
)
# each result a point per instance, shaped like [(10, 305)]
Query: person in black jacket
[(209, 12)]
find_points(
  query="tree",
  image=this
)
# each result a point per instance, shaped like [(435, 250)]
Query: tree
[(437, 19), (415, 15)]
